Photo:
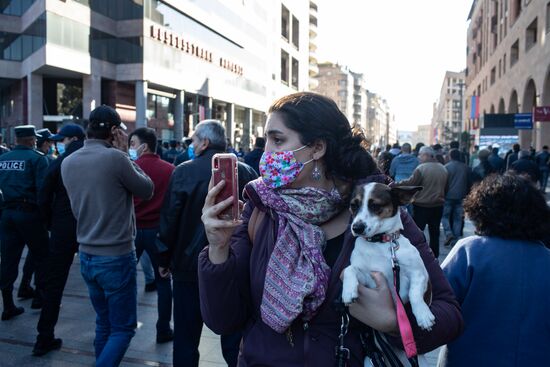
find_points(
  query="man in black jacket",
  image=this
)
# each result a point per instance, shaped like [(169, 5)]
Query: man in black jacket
[(56, 211), (182, 232), (253, 158)]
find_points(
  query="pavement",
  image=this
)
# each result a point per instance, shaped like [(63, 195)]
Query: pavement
[(76, 328)]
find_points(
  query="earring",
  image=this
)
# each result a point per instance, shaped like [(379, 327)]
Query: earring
[(316, 174)]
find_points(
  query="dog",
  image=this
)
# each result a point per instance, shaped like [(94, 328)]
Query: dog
[(377, 224)]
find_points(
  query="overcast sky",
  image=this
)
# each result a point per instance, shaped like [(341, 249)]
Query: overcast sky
[(403, 47)]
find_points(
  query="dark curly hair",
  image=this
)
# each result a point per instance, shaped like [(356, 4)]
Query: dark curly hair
[(315, 117), (508, 206)]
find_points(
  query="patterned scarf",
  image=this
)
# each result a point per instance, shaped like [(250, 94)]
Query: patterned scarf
[(297, 275)]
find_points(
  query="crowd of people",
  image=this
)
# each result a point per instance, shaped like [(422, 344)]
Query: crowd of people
[(269, 283)]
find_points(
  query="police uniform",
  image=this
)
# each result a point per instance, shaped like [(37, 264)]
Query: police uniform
[(22, 172)]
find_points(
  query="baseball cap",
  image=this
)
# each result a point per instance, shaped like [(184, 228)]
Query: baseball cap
[(69, 131), (106, 116)]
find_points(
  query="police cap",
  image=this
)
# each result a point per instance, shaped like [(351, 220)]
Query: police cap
[(45, 134), (24, 131)]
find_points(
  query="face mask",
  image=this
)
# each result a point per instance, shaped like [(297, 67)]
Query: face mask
[(279, 169), (61, 148), (51, 150), (133, 154), (191, 151)]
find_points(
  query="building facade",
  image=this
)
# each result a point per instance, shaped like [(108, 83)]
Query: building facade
[(166, 64), (346, 88), (508, 67), (313, 67), (381, 126), (448, 111)]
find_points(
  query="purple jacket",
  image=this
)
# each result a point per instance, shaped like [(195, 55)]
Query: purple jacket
[(231, 294)]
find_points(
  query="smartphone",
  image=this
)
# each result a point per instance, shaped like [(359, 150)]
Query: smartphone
[(224, 167)]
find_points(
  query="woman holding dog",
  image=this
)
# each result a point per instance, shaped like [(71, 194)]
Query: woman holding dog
[(277, 278), (500, 277)]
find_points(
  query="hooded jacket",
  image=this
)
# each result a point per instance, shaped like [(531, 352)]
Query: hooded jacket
[(403, 166), (231, 294)]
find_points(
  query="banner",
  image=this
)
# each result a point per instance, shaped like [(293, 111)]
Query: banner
[(473, 108), (541, 113), (523, 120)]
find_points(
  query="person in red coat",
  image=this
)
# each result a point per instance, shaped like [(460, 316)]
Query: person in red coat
[(143, 145)]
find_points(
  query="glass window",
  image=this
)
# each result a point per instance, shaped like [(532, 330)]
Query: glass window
[(285, 22), (295, 73), (284, 66), (118, 10), (159, 107), (514, 53), (295, 32), (531, 35), (17, 47), (107, 47), (15, 7)]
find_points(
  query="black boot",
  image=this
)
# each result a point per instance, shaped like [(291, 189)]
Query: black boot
[(25, 289), (10, 310), (42, 347)]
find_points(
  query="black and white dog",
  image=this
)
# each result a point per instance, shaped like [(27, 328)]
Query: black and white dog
[(377, 225)]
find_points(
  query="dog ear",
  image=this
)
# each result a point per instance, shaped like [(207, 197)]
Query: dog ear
[(404, 194)]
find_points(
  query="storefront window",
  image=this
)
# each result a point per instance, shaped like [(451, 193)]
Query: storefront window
[(160, 107), (15, 7), (17, 47)]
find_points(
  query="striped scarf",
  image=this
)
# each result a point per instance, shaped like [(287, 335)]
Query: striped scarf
[(297, 275)]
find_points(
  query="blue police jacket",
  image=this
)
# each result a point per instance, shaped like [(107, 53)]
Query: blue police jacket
[(22, 172)]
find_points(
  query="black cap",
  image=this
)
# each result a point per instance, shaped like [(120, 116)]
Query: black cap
[(23, 131), (69, 131), (105, 116)]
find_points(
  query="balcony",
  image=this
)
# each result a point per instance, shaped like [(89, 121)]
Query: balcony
[(313, 69)]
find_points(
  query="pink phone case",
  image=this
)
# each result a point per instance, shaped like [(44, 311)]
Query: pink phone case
[(224, 167)]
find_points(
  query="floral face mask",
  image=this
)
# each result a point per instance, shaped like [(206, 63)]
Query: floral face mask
[(279, 169)]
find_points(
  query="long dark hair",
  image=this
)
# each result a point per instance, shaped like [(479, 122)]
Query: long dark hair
[(315, 117)]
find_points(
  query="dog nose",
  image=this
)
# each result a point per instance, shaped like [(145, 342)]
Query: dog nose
[(358, 227)]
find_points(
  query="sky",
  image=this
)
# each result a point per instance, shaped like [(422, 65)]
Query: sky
[(403, 47)]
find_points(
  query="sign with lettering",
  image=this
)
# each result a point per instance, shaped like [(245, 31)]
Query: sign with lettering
[(523, 121), (178, 41), (12, 165), (542, 113)]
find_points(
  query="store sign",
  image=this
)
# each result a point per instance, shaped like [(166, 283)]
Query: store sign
[(177, 41), (542, 113), (523, 121)]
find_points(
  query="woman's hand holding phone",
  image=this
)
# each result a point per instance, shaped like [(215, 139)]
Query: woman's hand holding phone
[(218, 231)]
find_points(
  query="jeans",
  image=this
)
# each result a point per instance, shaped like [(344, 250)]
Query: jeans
[(543, 179), (145, 241), (111, 281), (452, 209), (432, 217), (17, 228), (188, 328), (147, 267)]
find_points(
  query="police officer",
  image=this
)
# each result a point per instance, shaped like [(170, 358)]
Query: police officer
[(22, 172), (44, 144)]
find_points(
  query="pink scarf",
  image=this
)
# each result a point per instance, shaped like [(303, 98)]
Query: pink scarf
[(297, 275)]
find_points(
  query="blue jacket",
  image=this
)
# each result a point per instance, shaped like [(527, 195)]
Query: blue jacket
[(403, 166), (504, 290)]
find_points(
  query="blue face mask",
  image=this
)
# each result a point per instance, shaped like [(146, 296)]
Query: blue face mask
[(60, 148), (191, 151), (133, 154)]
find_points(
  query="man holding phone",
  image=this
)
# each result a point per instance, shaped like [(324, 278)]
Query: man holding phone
[(182, 232)]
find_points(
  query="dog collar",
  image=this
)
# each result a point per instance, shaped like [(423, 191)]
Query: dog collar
[(384, 237)]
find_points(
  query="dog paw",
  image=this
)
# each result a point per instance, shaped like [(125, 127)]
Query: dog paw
[(425, 319), (349, 296)]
